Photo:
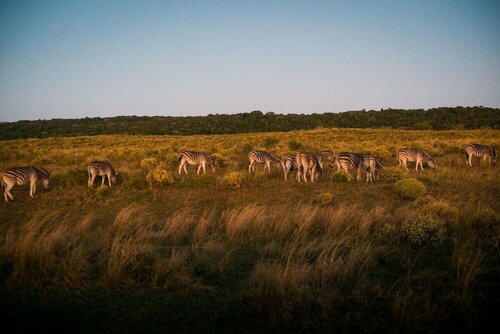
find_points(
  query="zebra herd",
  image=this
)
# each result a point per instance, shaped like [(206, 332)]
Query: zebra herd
[(304, 163)]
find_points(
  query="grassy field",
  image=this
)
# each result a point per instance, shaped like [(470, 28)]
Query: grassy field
[(250, 253)]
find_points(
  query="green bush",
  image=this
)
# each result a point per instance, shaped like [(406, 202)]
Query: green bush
[(341, 176), (424, 229), (148, 164), (294, 145), (388, 232), (324, 198), (409, 188), (159, 177), (234, 180), (270, 142), (446, 214), (390, 174)]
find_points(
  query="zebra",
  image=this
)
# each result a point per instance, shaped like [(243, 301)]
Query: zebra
[(103, 169), (22, 175), (348, 160), (482, 151), (265, 157), (308, 163), (371, 164), (415, 154), (201, 159), (323, 156), (288, 163)]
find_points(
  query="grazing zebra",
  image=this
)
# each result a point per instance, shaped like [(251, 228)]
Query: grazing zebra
[(22, 175), (201, 159), (415, 154), (482, 151), (371, 164), (262, 157), (103, 169), (308, 163), (349, 160), (288, 163), (323, 156)]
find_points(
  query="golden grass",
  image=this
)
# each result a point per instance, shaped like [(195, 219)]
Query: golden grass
[(266, 251)]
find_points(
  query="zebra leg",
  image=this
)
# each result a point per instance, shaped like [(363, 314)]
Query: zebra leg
[(32, 192), (103, 178), (250, 166), (91, 180), (404, 164), (358, 175), (6, 192), (180, 166), (185, 168), (204, 170), (312, 176), (198, 171), (109, 179)]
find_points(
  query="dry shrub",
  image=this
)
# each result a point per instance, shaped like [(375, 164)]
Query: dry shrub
[(148, 164), (159, 178), (341, 176), (409, 188), (234, 180), (390, 174), (424, 229), (324, 198)]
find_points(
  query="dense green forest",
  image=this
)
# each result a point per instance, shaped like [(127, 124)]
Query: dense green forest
[(256, 121)]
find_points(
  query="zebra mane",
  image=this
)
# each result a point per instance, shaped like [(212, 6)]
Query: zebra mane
[(42, 172), (427, 155)]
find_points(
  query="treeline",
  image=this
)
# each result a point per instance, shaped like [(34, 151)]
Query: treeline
[(256, 121)]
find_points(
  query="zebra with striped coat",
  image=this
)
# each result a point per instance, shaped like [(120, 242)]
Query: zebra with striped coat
[(103, 169), (349, 160), (288, 163), (201, 159), (371, 164), (22, 175), (308, 163), (265, 157), (481, 151), (415, 154)]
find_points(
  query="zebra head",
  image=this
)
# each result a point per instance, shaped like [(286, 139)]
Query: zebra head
[(318, 172), (327, 155), (44, 176), (211, 163), (431, 163), (113, 176)]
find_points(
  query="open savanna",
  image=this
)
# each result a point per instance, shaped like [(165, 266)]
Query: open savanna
[(269, 256)]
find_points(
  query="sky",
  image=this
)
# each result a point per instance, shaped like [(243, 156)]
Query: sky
[(73, 59)]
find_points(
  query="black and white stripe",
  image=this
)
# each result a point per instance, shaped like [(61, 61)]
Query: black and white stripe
[(371, 164), (288, 163), (22, 175), (415, 154), (308, 163), (103, 169), (201, 159), (349, 160), (481, 151), (265, 157)]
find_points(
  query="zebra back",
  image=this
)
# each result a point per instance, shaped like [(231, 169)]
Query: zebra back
[(263, 156), (349, 159), (23, 174), (102, 167), (289, 161), (195, 157), (411, 154)]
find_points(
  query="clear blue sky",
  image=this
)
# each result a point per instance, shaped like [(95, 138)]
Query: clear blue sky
[(67, 59)]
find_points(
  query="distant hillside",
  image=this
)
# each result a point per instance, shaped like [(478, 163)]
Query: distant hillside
[(256, 121)]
